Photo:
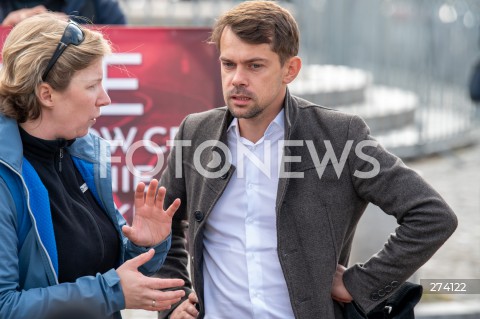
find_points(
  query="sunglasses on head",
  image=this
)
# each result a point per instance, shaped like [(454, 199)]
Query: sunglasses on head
[(72, 35)]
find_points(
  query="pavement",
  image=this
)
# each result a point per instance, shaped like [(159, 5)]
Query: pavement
[(456, 176)]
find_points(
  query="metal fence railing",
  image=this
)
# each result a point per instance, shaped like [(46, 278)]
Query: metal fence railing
[(427, 47)]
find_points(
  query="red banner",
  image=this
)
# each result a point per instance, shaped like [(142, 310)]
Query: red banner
[(155, 77)]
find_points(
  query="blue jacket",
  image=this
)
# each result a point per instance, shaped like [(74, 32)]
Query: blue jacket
[(99, 11), (28, 267)]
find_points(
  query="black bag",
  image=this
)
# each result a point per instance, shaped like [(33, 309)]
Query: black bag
[(398, 306), (474, 87)]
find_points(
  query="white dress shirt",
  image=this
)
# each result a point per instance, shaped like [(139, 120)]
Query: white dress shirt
[(241, 270)]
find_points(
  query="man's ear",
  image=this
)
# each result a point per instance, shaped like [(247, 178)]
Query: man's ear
[(44, 94), (292, 68)]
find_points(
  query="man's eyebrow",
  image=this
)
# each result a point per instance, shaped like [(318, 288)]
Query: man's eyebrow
[(256, 59)]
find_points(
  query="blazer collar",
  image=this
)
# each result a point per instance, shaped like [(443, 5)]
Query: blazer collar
[(291, 112)]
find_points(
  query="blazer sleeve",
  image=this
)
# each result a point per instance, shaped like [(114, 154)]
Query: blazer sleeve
[(425, 220), (176, 263)]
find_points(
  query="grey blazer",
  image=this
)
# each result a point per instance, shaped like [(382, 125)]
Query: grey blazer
[(316, 214)]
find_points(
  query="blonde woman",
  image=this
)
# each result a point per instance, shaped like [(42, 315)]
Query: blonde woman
[(66, 252)]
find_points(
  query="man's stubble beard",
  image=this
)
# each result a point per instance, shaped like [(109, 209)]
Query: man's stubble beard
[(253, 112)]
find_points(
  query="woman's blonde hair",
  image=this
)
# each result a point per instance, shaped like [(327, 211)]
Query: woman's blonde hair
[(26, 53)]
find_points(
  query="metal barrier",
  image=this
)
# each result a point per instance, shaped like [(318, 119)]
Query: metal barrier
[(427, 47)]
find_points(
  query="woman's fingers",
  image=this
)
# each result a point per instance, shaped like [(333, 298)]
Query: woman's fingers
[(161, 283), (138, 261), (151, 193), (173, 208)]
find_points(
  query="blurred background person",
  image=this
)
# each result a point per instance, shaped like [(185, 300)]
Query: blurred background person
[(95, 11)]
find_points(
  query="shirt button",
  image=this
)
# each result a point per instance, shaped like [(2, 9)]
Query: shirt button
[(198, 216)]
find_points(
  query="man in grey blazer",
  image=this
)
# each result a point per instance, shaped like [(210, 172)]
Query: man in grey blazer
[(273, 186)]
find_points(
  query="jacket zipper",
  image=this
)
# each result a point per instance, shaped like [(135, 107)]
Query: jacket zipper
[(60, 160)]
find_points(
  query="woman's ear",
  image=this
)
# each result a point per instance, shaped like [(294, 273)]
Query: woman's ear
[(44, 94), (292, 67)]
